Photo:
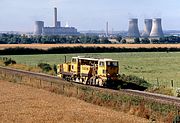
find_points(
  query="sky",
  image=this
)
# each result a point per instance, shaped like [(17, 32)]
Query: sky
[(19, 15)]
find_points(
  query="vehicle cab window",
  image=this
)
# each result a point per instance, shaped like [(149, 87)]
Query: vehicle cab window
[(115, 64), (72, 67), (101, 64), (112, 63), (74, 60), (109, 63)]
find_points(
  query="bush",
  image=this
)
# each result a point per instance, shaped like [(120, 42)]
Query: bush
[(162, 90), (178, 92), (134, 79), (9, 61), (128, 82), (45, 67), (55, 69)]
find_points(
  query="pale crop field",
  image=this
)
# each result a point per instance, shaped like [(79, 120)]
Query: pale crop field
[(152, 66), (23, 104), (47, 46)]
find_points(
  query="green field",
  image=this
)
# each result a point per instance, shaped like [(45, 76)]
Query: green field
[(152, 66)]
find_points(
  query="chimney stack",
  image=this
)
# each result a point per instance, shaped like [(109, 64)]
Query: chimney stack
[(107, 29), (55, 17)]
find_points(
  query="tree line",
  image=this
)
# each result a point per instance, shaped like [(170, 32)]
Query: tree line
[(82, 39), (79, 49), (24, 39), (164, 40)]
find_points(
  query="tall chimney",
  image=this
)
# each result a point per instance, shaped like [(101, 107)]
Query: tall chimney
[(55, 17), (107, 29)]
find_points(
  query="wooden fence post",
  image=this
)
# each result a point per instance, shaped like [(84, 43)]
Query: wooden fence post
[(40, 84), (29, 79), (77, 90), (157, 82), (172, 83)]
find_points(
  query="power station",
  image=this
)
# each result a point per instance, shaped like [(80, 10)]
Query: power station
[(152, 28), (56, 29)]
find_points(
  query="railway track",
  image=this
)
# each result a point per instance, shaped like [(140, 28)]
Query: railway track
[(154, 96), (146, 95)]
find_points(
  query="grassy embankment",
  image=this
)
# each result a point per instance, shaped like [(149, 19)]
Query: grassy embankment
[(155, 67)]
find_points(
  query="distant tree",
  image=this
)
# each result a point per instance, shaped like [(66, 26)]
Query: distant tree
[(155, 41), (95, 40), (123, 41), (105, 40), (145, 41), (119, 38), (3, 42), (137, 41)]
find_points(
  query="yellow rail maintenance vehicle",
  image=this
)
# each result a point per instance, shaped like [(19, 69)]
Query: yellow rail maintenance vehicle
[(89, 70)]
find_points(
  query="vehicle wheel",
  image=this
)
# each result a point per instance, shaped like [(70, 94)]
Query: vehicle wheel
[(100, 82), (85, 81), (91, 81)]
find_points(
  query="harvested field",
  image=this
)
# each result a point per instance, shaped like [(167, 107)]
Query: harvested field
[(22, 104), (47, 46)]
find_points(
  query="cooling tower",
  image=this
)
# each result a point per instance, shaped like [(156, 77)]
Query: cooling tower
[(39, 25), (157, 28), (147, 27), (55, 17), (133, 30)]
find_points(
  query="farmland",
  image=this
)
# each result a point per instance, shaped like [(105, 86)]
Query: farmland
[(152, 66), (47, 46), (21, 104)]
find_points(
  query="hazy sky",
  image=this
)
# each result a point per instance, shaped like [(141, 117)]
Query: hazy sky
[(19, 15)]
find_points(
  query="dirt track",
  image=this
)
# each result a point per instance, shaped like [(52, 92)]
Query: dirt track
[(46, 46), (22, 104)]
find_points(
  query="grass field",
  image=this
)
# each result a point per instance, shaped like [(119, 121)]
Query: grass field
[(155, 66)]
